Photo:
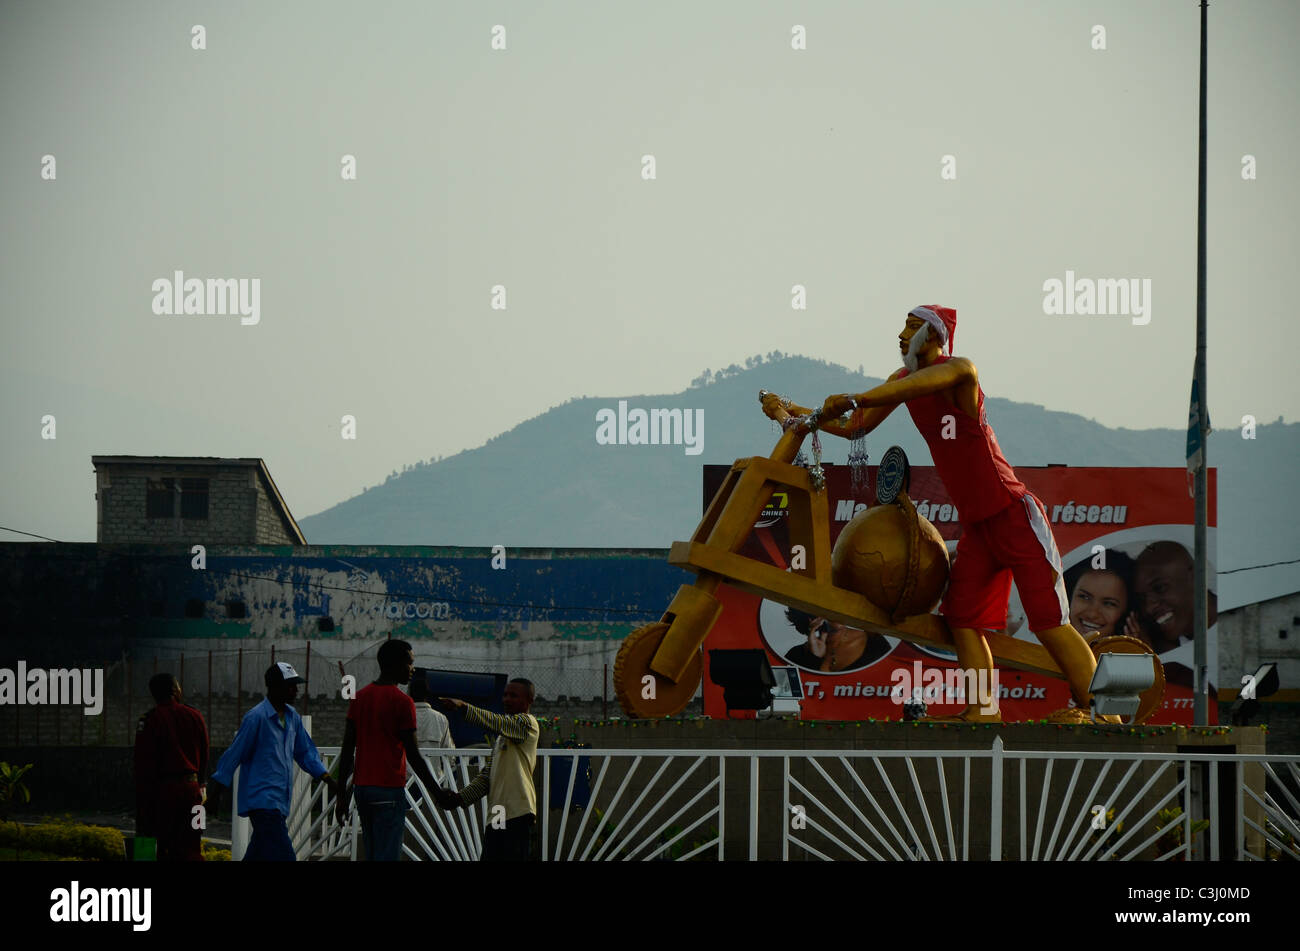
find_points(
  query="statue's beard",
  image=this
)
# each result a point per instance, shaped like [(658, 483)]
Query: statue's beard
[(911, 359)]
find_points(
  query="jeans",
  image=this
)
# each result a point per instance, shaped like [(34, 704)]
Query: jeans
[(383, 821), (270, 841)]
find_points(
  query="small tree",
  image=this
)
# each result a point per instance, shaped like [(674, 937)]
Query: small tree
[(12, 788)]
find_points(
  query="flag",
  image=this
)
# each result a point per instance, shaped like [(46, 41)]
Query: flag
[(1195, 449)]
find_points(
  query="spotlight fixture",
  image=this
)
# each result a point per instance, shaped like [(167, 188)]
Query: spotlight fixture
[(1117, 685)]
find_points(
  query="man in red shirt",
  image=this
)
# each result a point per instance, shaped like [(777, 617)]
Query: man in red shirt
[(381, 730), (1005, 532), (171, 762)]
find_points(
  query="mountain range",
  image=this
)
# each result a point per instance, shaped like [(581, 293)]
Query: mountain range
[(549, 482)]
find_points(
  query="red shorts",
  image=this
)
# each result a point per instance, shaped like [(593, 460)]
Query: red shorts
[(1016, 542)]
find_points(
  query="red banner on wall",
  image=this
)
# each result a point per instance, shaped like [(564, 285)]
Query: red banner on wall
[(1137, 522)]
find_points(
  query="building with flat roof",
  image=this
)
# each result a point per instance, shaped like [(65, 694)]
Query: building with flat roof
[(203, 500)]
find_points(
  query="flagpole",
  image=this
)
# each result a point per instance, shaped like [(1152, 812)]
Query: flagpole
[(1200, 609)]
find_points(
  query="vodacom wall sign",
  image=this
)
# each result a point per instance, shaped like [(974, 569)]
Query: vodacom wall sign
[(1124, 537)]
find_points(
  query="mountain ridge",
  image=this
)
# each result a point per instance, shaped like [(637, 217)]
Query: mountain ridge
[(546, 482)]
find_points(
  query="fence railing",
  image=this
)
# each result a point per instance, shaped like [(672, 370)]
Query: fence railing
[(886, 805), (225, 684)]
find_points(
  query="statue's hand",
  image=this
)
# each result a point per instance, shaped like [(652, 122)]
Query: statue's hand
[(836, 406), (770, 402)]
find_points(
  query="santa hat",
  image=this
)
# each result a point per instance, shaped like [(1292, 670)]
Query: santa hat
[(942, 319)]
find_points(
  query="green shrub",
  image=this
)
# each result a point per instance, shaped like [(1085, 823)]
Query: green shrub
[(213, 853), (1171, 821), (62, 838), (24, 855)]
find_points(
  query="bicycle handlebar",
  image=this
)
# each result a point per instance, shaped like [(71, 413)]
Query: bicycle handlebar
[(783, 416)]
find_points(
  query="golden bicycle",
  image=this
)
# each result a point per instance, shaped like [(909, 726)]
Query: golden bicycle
[(659, 666)]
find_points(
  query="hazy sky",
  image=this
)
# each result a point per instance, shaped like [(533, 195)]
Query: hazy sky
[(523, 167)]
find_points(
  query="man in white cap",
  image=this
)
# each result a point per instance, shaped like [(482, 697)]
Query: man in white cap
[(1005, 532), (270, 740)]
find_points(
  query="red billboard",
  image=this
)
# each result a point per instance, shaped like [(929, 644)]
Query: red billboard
[(1141, 518)]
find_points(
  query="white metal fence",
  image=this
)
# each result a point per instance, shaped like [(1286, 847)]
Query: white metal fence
[(886, 805)]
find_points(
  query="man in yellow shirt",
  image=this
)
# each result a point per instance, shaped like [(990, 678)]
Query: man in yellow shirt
[(507, 779)]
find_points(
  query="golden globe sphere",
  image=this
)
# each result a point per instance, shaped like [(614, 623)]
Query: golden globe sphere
[(871, 558)]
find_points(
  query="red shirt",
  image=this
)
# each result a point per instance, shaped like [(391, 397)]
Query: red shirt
[(170, 740), (381, 712), (977, 476)]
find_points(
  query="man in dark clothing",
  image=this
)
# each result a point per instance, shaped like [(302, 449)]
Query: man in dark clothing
[(171, 762)]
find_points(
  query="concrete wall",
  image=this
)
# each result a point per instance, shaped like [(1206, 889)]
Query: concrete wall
[(1267, 632), (270, 527), (240, 510), (554, 616), (75, 778)]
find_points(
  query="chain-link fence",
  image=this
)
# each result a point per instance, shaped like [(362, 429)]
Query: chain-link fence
[(225, 683)]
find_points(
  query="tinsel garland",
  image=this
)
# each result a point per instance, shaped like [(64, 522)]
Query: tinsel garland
[(816, 474), (1140, 731), (858, 460)]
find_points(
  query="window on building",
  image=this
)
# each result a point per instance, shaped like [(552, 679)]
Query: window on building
[(236, 609), (161, 498), (194, 608), (162, 493), (194, 498)]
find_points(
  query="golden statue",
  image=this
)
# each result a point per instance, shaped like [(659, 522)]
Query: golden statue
[(1005, 534)]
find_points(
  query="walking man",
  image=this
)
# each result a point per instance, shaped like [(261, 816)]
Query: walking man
[(271, 739)]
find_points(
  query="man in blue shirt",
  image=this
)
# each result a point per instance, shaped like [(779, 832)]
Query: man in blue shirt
[(271, 739)]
